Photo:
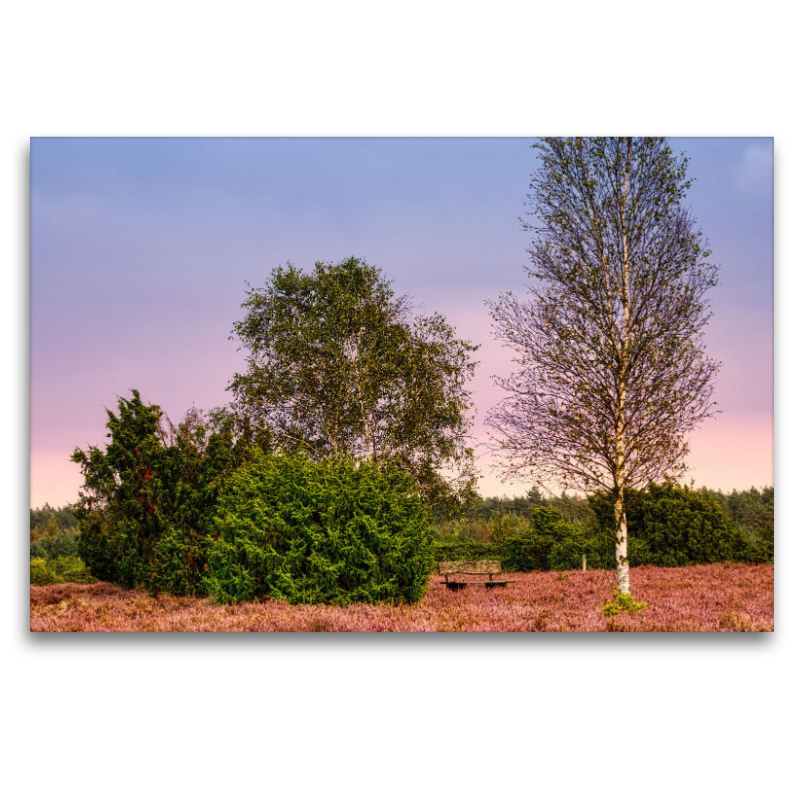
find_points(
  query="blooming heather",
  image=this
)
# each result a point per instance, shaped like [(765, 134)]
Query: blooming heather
[(715, 597)]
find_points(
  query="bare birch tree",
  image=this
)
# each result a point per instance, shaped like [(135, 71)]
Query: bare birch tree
[(613, 372)]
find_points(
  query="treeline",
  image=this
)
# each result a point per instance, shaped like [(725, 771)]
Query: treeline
[(668, 525), (54, 547)]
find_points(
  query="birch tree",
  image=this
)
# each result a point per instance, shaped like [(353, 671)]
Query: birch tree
[(338, 365), (612, 372)]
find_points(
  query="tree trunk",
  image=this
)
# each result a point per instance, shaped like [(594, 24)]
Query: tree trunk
[(621, 519), (366, 418)]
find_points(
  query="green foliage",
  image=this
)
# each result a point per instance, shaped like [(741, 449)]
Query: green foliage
[(63, 543), (667, 526), (487, 507), (71, 569), (338, 366), (48, 520), (567, 553), (64, 569), (622, 604), (54, 540), (148, 498), (465, 551), (331, 531), (754, 513), (532, 549), (41, 574), (462, 530), (673, 526), (539, 539), (508, 526)]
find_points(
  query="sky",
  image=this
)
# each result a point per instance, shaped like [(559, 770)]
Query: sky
[(142, 249)]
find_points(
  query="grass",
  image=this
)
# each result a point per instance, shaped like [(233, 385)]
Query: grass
[(716, 597)]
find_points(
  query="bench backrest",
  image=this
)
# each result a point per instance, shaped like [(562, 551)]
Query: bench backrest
[(469, 567)]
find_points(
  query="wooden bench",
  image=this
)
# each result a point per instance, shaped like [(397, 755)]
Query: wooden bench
[(490, 568)]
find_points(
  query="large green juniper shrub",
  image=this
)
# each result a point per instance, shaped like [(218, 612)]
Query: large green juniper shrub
[(148, 497), (331, 532)]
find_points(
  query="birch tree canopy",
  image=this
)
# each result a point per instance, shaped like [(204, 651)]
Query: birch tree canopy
[(611, 369), (338, 365)]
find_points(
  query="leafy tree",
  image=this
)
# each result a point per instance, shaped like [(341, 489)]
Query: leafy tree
[(338, 366), (612, 370)]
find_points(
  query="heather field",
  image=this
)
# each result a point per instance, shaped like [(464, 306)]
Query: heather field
[(717, 597)]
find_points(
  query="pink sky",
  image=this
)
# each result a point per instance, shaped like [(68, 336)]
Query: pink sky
[(140, 250)]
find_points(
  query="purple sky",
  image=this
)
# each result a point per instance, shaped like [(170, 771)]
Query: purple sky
[(140, 250)]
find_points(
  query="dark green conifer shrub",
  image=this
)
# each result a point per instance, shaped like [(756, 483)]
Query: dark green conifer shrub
[(568, 552), (319, 532), (675, 526), (148, 498)]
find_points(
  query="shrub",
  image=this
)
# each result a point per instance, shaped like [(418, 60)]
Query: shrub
[(41, 574), (683, 527), (148, 498), (622, 604), (328, 532), (542, 541), (568, 553), (464, 551), (99, 546), (71, 569), (532, 549), (674, 526), (179, 558), (65, 569), (508, 526)]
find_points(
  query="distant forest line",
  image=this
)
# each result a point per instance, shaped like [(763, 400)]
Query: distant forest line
[(669, 526)]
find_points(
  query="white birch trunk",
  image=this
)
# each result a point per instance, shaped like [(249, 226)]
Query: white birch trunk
[(621, 519), (366, 417)]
